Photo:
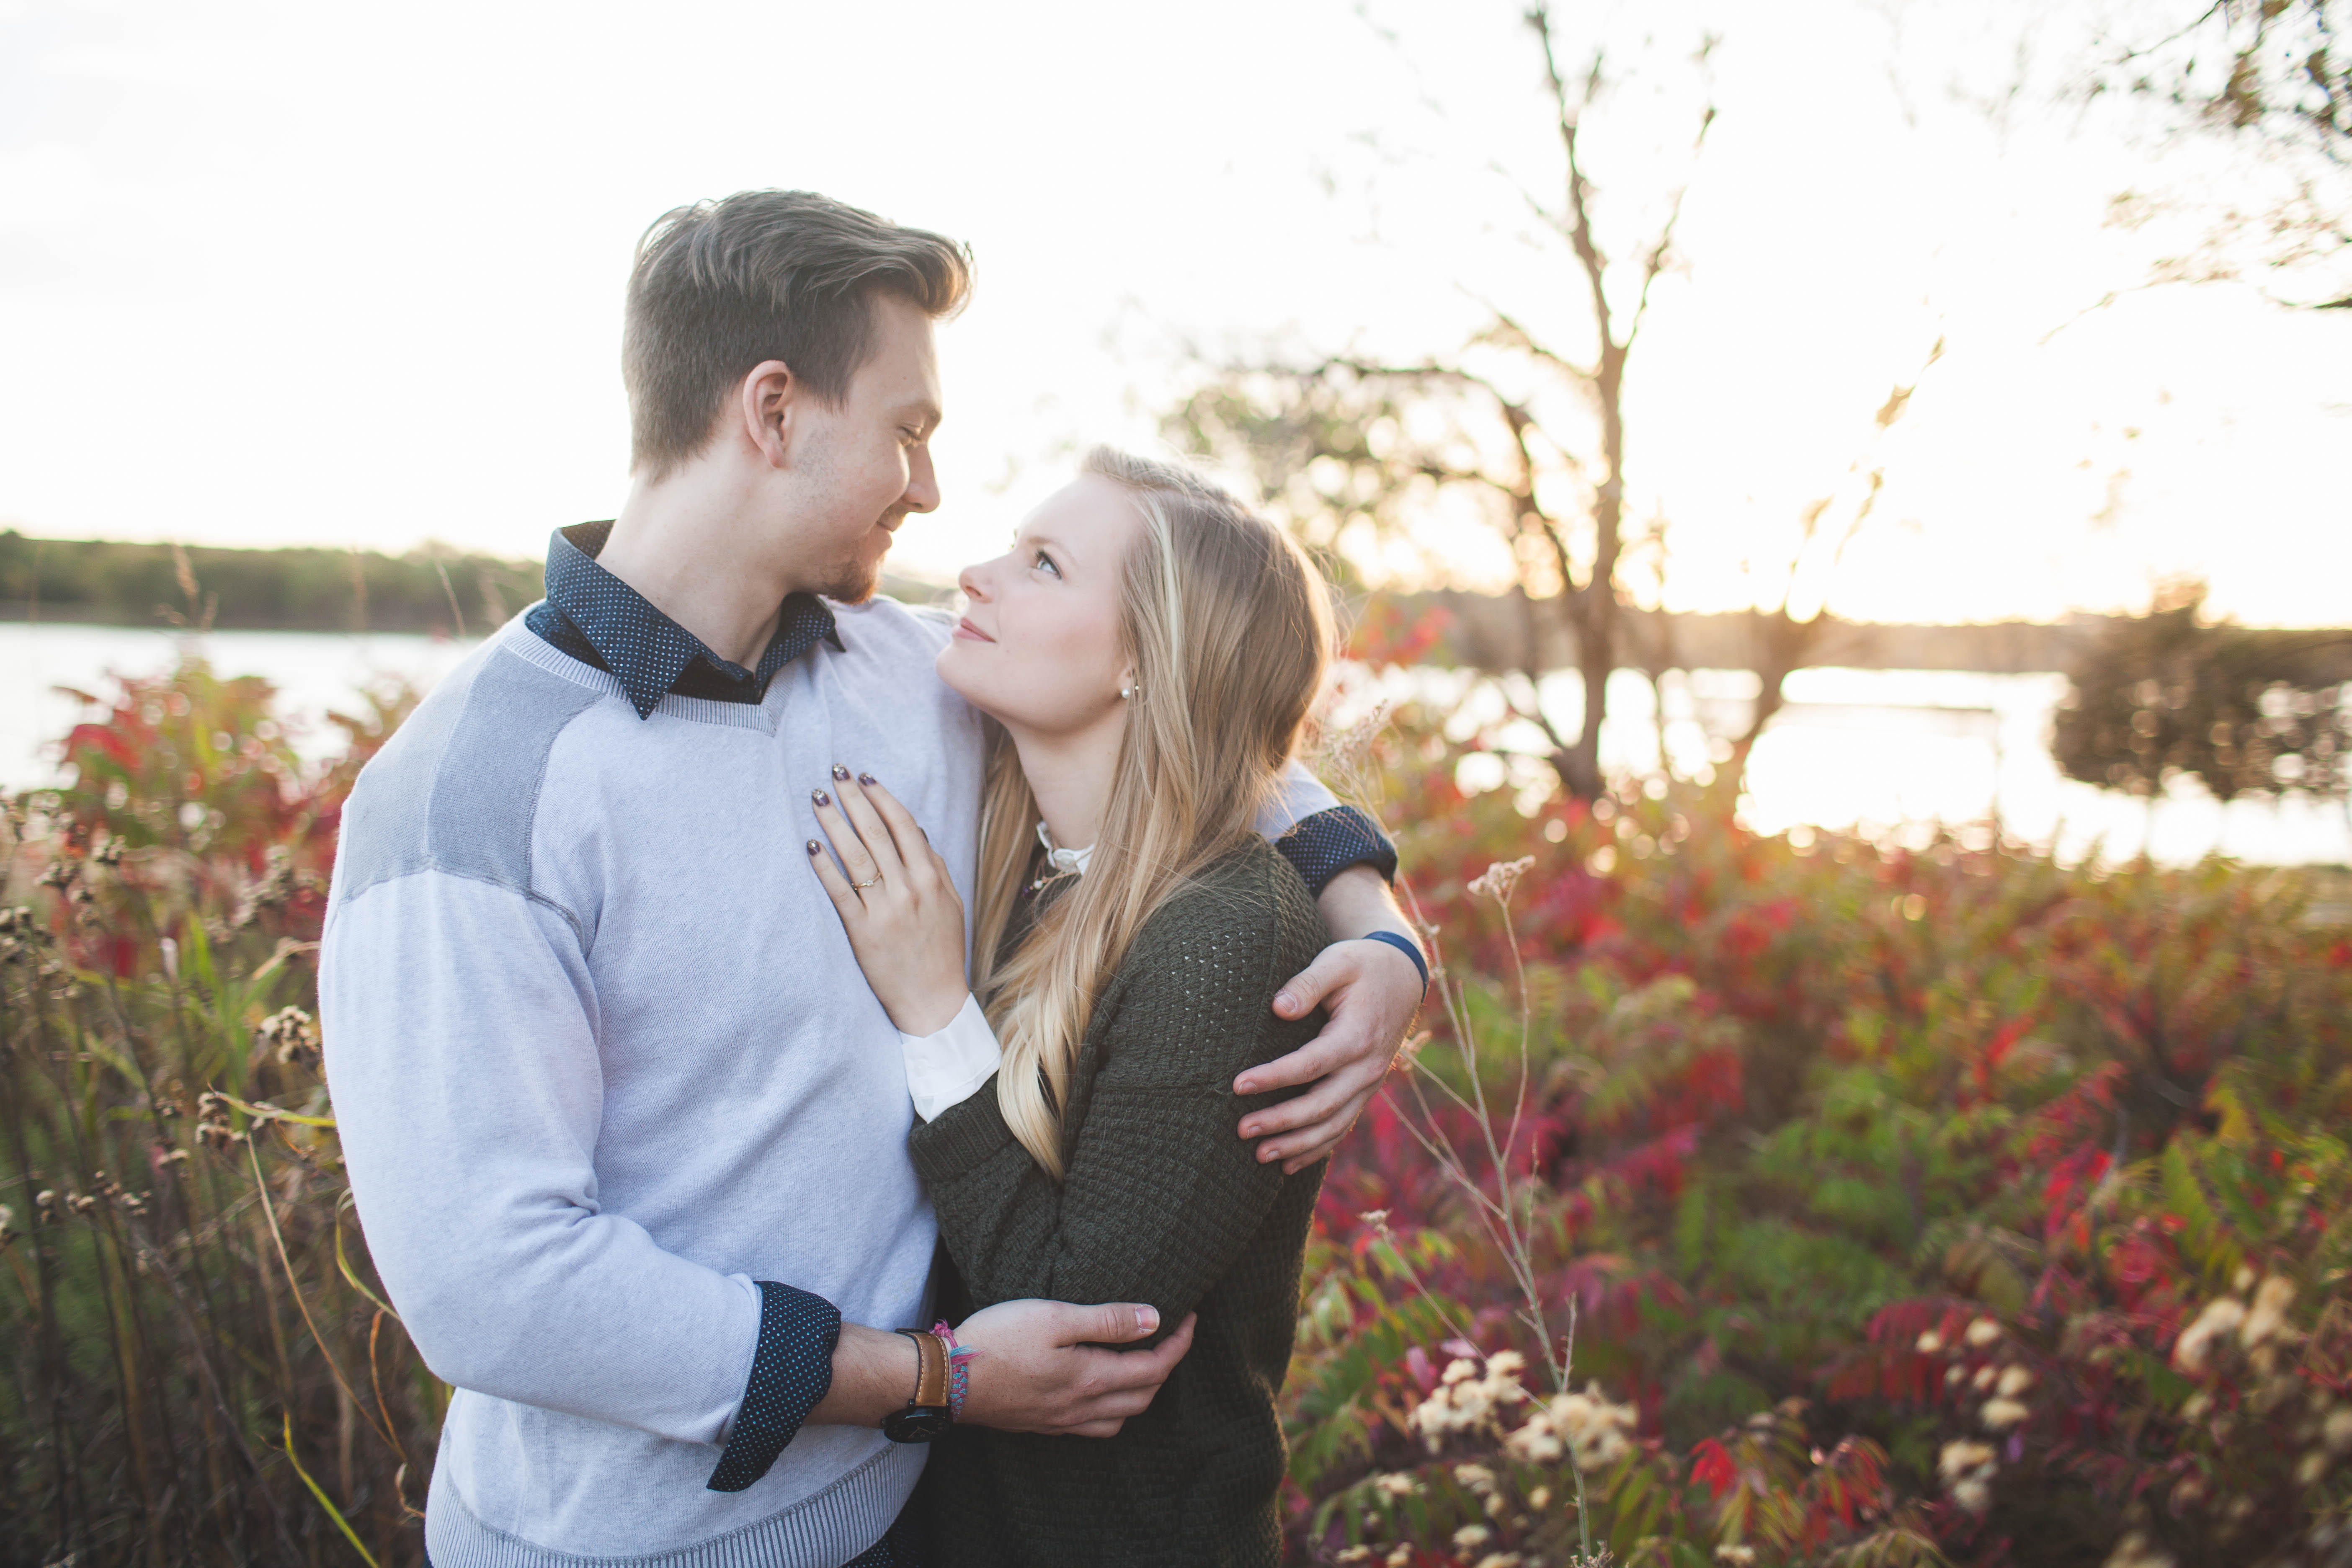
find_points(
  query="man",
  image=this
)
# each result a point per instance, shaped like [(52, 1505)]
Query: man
[(625, 1126)]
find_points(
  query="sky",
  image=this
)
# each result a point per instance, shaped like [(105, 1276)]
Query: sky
[(277, 273)]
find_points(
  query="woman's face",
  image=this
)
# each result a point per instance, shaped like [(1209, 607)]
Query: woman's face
[(1039, 647)]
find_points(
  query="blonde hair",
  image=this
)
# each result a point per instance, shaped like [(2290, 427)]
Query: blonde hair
[(1228, 626)]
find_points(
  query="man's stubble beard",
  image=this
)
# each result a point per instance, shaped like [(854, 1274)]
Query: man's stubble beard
[(854, 581)]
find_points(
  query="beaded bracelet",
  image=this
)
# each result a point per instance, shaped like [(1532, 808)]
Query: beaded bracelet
[(959, 1367)]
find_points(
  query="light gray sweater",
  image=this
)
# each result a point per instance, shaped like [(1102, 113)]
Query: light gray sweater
[(601, 1057)]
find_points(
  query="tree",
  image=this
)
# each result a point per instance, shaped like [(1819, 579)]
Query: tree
[(1785, 634), (2245, 712), (2275, 76), (1525, 434)]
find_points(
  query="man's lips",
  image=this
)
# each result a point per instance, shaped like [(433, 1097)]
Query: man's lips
[(964, 628)]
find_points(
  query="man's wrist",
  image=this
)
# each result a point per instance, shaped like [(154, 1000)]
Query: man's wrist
[(872, 1371), (1406, 945)]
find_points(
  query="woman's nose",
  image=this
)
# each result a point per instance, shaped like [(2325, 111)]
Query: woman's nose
[(973, 581)]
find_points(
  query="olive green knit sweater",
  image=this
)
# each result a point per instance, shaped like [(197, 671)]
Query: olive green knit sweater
[(1162, 1202)]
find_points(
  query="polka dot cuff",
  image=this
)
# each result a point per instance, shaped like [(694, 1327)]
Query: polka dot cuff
[(1328, 843), (792, 1370)]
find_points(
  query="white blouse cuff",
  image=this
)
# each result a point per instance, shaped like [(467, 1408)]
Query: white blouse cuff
[(945, 1069)]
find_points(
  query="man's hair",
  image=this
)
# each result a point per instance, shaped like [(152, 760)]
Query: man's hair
[(720, 287)]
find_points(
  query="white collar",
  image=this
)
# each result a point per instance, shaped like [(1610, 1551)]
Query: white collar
[(1064, 862)]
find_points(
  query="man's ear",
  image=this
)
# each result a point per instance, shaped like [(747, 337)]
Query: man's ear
[(767, 404)]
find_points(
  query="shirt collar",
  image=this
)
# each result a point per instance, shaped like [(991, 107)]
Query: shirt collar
[(645, 649)]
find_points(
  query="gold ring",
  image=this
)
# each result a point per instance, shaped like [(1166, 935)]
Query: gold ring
[(869, 881)]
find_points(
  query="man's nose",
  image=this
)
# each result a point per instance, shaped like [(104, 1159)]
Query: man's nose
[(922, 493)]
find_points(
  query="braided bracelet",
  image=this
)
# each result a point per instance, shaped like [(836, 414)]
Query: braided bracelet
[(958, 1368)]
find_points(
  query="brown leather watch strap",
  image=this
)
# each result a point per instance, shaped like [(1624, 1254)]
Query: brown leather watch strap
[(931, 1370)]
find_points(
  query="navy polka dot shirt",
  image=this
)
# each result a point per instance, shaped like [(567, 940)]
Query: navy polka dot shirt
[(602, 621)]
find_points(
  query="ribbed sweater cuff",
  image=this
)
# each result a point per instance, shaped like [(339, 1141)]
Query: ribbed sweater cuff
[(966, 1135)]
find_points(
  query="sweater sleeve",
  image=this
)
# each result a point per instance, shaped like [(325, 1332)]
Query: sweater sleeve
[(461, 1041), (1319, 837), (1161, 1195)]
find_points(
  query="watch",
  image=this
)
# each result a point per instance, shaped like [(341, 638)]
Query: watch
[(927, 1415)]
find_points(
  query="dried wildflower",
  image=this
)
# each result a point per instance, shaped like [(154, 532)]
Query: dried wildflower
[(2136, 1551), (274, 888), (7, 1218), (1592, 1430), (1399, 1557), (1398, 1483), (1355, 1555), (213, 1124), (1964, 1457), (1982, 1333), (2313, 1467), (2269, 1313), (2014, 1381), (1499, 1560), (1737, 1555), (1477, 1478), (1983, 1379), (292, 1032), (2001, 1414), (109, 853), (1344, 754), (1953, 1375), (45, 1205), (1501, 877), (2337, 1430), (1466, 1400), (1930, 1343), (2195, 1347), (1539, 1499), (1471, 1537)]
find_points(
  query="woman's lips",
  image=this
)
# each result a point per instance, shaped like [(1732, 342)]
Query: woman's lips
[(964, 628)]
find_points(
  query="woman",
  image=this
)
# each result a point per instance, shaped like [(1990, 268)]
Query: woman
[(1148, 652)]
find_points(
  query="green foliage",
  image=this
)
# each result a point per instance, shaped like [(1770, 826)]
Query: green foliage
[(1889, 1183), (199, 1370)]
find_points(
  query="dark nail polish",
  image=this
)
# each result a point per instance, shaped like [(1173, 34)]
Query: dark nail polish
[(868, 779), (819, 796), (813, 846), (840, 772)]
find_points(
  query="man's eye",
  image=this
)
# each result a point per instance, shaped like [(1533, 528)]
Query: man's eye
[(1045, 563)]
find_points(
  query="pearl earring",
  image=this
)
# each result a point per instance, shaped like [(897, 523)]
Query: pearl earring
[(1130, 690)]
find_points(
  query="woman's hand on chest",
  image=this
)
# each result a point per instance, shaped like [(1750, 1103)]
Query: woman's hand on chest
[(895, 900)]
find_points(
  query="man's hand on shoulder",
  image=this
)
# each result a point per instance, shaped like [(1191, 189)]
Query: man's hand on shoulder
[(1372, 991)]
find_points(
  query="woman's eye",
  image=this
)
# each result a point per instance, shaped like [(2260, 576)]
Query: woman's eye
[(1045, 563)]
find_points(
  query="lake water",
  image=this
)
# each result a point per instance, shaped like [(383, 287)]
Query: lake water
[(1890, 751)]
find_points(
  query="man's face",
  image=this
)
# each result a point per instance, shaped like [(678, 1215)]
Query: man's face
[(856, 470)]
